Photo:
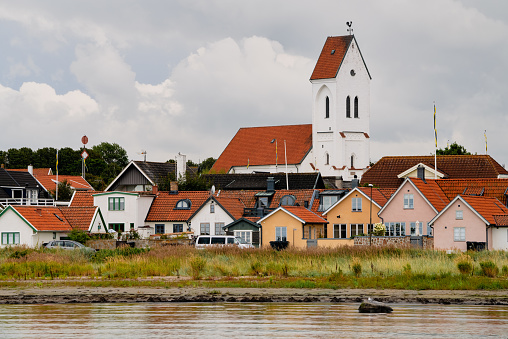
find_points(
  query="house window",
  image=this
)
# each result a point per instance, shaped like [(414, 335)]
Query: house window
[(408, 201), (132, 226), (339, 231), (352, 161), (184, 204), (17, 194), (348, 107), (280, 233), (212, 208), (327, 110), (159, 229), (117, 227), (459, 234), (395, 229), (219, 229), (458, 215), (116, 204), (327, 201), (10, 238), (245, 235), (356, 107), (356, 204), (204, 228), (263, 202), (288, 200), (370, 228), (177, 228), (356, 229), (415, 230)]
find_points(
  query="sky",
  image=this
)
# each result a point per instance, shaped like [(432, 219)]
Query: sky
[(183, 76)]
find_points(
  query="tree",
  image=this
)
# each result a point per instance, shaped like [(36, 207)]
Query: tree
[(69, 161), (191, 163), (112, 153), (193, 182), (453, 149), (64, 191), (206, 164), (45, 158), (19, 158)]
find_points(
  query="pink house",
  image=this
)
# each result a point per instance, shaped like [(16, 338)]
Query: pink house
[(409, 210), (469, 220)]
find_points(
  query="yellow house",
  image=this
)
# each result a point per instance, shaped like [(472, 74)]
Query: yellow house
[(294, 224), (355, 213)]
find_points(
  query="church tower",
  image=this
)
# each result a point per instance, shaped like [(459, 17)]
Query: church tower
[(341, 110)]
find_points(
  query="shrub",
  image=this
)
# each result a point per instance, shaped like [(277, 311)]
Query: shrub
[(504, 270), (79, 236), (356, 267), (489, 269), (407, 269), (197, 265), (465, 267), (379, 229)]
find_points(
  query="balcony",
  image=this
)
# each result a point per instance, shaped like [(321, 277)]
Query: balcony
[(27, 202)]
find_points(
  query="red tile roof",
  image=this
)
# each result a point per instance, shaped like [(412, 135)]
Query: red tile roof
[(307, 216), (328, 64), (252, 146), (163, 206), (79, 217), (76, 182), (494, 188), (384, 173), (501, 220), (486, 207), (377, 195), (83, 198), (431, 190), (36, 171), (44, 218), (233, 205)]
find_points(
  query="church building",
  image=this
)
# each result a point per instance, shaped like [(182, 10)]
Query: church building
[(335, 144)]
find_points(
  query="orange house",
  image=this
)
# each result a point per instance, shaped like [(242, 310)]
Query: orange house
[(355, 213)]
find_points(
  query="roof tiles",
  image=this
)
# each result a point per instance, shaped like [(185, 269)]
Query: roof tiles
[(331, 57)]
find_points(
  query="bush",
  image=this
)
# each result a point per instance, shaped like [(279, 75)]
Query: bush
[(79, 236), (356, 267), (197, 265), (489, 269), (379, 229), (465, 267)]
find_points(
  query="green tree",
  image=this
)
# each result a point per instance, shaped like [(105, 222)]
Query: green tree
[(64, 191), (45, 158), (191, 163), (2, 157), (193, 182), (206, 164), (112, 153), (164, 182), (69, 161), (19, 158), (453, 149)]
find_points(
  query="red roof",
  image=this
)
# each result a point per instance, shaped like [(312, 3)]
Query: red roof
[(486, 207), (494, 188), (44, 218), (233, 205), (163, 206), (253, 146), (76, 182), (79, 217), (384, 173), (329, 63), (36, 171), (431, 190), (83, 198), (307, 216), (378, 196)]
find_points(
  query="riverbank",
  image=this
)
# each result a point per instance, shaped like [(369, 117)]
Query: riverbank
[(66, 294)]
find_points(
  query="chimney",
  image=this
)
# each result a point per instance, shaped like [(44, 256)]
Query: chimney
[(173, 186), (270, 184), (420, 172), (155, 189), (181, 165), (31, 169), (354, 182)]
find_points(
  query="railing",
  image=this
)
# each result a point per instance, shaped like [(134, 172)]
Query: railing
[(27, 202), (256, 212)]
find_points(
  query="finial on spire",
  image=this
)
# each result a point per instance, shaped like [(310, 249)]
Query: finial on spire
[(349, 24)]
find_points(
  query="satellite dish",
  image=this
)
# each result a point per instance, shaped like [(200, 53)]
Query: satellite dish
[(212, 190)]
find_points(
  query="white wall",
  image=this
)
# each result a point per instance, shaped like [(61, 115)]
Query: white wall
[(499, 238), (11, 222), (204, 216)]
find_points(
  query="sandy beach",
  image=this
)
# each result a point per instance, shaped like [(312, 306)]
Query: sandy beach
[(45, 295)]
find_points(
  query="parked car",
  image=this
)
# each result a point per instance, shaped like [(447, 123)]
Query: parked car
[(68, 245), (203, 241)]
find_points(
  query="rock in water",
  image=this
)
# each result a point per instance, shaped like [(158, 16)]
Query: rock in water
[(372, 306)]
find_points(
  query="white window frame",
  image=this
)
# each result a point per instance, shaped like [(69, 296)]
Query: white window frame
[(408, 201), (356, 204), (358, 229), (212, 208), (204, 228), (218, 228), (339, 227), (245, 235), (459, 234), (281, 233), (10, 238), (459, 215)]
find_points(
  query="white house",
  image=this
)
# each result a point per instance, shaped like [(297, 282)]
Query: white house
[(214, 214)]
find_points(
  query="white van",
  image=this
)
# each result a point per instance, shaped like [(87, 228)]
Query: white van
[(203, 241)]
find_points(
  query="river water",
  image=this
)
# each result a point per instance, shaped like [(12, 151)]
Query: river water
[(244, 320)]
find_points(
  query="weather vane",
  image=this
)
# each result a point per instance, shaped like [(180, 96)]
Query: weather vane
[(349, 24)]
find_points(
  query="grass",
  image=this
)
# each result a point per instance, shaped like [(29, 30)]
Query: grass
[(345, 267)]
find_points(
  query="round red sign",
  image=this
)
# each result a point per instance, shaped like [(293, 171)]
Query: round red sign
[(84, 140)]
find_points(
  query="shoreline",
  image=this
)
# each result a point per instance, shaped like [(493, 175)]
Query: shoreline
[(68, 295)]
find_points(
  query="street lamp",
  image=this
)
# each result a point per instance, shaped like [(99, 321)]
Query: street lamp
[(370, 219)]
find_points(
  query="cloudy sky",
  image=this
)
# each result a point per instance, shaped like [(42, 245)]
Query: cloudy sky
[(184, 76)]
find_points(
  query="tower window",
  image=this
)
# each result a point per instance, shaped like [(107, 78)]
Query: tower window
[(352, 161), (327, 159), (327, 112), (356, 107), (348, 107)]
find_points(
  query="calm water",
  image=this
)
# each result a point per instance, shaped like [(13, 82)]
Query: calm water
[(240, 320)]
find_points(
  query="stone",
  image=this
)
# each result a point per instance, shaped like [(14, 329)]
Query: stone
[(372, 306)]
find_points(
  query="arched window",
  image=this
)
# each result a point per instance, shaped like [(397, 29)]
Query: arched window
[(327, 159), (184, 204), (348, 107), (352, 161), (327, 112), (288, 200), (356, 107)]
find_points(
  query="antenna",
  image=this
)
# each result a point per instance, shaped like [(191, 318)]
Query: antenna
[(143, 153), (349, 24)]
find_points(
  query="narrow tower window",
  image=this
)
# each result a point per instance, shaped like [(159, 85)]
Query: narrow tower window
[(352, 161), (327, 159), (327, 112), (356, 107), (348, 107)]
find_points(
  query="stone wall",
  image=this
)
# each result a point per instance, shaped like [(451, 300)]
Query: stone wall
[(111, 244), (400, 242)]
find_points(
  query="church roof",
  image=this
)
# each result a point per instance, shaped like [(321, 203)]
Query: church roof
[(253, 146), (258, 181), (384, 173)]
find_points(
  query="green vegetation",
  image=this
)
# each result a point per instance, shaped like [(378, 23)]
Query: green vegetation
[(346, 267), (453, 149)]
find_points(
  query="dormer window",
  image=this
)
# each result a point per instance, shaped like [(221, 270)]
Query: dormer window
[(288, 200), (327, 109), (184, 204), (348, 107)]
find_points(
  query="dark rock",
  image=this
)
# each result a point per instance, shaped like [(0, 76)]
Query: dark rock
[(372, 306)]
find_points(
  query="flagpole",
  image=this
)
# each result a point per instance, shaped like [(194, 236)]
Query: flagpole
[(485, 135), (435, 142), (286, 158), (57, 175)]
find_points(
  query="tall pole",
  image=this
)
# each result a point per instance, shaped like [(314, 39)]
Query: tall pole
[(286, 158), (370, 219), (57, 175), (435, 140)]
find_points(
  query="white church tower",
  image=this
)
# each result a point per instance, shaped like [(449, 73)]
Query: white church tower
[(341, 110)]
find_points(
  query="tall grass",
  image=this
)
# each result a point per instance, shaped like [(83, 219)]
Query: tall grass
[(345, 267)]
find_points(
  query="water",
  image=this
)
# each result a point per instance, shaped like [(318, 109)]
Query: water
[(244, 320)]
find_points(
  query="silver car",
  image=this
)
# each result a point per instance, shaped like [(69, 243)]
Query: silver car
[(68, 245)]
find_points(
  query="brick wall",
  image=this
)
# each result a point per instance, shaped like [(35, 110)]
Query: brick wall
[(401, 242)]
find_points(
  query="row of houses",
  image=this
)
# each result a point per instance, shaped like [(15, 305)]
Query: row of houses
[(441, 213)]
